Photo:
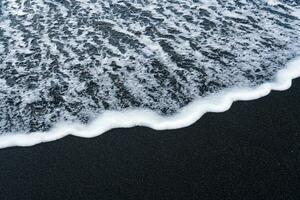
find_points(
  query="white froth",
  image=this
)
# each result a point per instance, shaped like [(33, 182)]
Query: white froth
[(272, 2), (74, 60), (296, 13), (143, 117)]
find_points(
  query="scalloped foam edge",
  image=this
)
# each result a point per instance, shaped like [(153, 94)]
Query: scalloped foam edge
[(189, 114)]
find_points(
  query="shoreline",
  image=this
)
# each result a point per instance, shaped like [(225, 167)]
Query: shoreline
[(251, 151), (188, 115)]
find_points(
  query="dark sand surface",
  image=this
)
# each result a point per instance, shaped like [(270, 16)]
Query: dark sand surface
[(251, 151)]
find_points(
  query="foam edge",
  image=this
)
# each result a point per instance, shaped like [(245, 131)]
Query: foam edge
[(188, 115)]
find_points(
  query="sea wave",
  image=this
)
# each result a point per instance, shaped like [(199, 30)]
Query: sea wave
[(219, 102), (84, 67)]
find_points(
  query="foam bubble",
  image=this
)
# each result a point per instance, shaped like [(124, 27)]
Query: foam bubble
[(273, 2)]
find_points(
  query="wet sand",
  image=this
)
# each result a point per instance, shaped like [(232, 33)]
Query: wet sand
[(251, 151)]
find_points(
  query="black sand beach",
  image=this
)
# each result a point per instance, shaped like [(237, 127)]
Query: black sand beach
[(251, 151)]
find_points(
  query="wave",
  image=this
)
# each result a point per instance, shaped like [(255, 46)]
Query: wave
[(144, 117), (83, 67)]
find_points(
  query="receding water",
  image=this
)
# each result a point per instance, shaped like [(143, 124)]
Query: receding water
[(72, 60)]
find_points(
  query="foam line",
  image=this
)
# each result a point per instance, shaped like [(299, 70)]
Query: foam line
[(219, 102), (73, 60)]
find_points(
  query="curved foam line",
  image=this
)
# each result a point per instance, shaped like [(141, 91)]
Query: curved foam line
[(219, 102)]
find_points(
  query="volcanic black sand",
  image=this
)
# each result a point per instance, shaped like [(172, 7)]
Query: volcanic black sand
[(251, 151)]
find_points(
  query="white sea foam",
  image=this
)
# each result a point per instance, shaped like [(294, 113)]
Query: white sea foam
[(272, 2), (144, 62), (219, 102)]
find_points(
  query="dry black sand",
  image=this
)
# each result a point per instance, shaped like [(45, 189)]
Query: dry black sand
[(251, 151)]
